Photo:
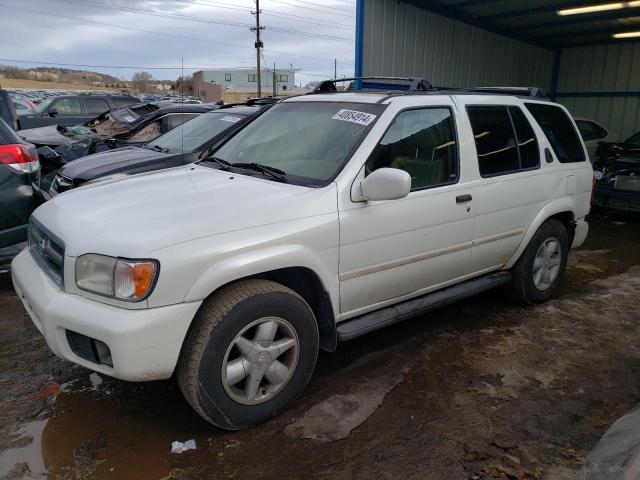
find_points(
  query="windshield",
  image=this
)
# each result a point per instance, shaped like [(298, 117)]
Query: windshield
[(192, 135), (308, 140), (42, 108), (634, 140)]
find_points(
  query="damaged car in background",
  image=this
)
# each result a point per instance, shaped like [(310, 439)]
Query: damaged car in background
[(126, 126), (617, 176), (188, 143)]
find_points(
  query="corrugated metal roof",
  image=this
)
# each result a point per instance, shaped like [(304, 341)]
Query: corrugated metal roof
[(536, 21)]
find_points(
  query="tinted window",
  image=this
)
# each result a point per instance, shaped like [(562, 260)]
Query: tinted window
[(527, 143), (96, 106), (67, 106), (171, 121), (590, 130), (422, 143), (634, 140), (495, 140), (559, 130), (6, 134), (124, 101)]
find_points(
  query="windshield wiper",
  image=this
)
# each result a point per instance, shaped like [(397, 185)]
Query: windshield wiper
[(157, 148), (224, 165), (265, 169)]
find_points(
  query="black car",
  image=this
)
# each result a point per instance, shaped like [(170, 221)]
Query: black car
[(617, 176), (127, 126), (19, 191), (74, 109), (190, 143)]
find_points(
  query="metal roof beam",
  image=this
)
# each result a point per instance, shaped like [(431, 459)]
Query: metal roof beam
[(534, 10), (593, 17), (480, 22)]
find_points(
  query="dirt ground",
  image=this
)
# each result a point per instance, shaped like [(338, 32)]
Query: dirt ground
[(479, 390)]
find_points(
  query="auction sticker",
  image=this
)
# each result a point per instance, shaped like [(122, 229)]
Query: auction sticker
[(231, 119), (354, 116)]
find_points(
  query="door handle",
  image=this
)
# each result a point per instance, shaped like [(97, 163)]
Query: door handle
[(463, 198)]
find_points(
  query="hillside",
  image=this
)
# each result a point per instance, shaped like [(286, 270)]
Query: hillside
[(70, 78)]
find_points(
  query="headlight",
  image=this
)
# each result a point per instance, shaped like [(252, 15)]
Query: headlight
[(129, 280), (598, 174)]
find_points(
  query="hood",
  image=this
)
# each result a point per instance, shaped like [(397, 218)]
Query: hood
[(121, 160), (133, 217), (45, 136)]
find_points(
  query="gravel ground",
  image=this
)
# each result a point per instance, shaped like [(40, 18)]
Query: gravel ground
[(480, 390)]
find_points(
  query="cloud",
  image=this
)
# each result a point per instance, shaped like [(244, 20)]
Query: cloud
[(119, 33)]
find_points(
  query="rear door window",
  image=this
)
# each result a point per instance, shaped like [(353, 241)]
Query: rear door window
[(559, 130), (495, 139), (124, 101), (96, 106), (527, 142)]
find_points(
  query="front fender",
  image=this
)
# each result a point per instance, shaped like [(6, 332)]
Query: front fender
[(261, 261), (560, 205)]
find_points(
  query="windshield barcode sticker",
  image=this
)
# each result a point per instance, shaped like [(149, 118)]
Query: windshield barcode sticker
[(230, 119), (129, 118), (353, 116)]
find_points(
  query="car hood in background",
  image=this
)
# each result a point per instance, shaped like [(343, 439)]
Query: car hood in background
[(135, 216), (120, 160), (45, 136)]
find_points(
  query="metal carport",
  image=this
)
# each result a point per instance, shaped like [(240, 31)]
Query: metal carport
[(464, 43)]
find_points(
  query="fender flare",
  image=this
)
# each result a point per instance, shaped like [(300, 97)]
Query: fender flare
[(560, 205), (244, 265)]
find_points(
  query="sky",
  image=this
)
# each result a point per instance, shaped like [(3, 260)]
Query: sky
[(141, 34)]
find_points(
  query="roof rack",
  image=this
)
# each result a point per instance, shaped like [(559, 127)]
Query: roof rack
[(415, 84), (536, 92)]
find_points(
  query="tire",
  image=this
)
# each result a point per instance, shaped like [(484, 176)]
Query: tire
[(526, 288), (224, 335)]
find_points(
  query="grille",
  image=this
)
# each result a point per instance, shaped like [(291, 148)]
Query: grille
[(47, 250)]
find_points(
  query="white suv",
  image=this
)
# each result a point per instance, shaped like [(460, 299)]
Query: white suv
[(326, 217)]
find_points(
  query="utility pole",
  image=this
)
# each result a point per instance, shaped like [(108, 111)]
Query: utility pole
[(258, 45), (335, 68), (275, 84)]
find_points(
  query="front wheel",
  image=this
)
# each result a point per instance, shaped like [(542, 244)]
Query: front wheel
[(250, 353), (539, 270)]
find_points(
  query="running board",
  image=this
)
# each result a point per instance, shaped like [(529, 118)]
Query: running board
[(369, 322)]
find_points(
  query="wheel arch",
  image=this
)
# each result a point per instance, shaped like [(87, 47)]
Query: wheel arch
[(562, 210), (295, 268)]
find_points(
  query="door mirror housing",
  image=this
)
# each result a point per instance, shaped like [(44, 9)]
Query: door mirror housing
[(384, 184), (53, 112)]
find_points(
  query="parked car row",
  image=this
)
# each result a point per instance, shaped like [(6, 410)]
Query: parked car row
[(312, 220)]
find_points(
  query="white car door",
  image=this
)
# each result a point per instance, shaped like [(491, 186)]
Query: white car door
[(391, 250), (512, 189)]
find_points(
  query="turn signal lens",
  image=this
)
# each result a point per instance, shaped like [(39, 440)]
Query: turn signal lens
[(133, 280), (129, 280)]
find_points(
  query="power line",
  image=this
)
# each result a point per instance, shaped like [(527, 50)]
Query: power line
[(327, 8), (140, 11), (314, 9), (163, 34)]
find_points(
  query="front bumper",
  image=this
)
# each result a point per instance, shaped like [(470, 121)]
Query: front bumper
[(145, 344)]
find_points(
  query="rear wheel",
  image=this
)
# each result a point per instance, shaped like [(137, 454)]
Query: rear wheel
[(250, 353), (539, 270)]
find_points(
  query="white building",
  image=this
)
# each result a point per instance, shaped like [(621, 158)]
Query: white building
[(245, 79)]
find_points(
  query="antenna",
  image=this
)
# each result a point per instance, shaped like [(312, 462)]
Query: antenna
[(182, 111)]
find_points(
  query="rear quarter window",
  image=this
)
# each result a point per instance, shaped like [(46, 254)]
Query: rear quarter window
[(559, 130)]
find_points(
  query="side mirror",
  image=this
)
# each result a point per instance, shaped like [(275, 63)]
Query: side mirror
[(384, 184), (53, 112)]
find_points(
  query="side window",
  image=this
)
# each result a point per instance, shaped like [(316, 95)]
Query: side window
[(96, 106), (124, 101), (495, 140), (559, 130), (251, 77), (227, 77), (527, 143), (421, 142), (67, 106), (173, 120)]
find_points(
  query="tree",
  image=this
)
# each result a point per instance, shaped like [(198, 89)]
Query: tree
[(141, 81), (184, 84)]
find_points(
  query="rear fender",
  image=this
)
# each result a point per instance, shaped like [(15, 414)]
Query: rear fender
[(560, 205)]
